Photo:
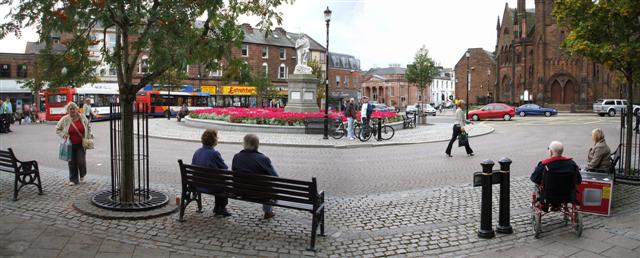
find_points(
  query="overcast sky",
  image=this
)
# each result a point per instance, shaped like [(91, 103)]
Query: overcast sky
[(380, 32)]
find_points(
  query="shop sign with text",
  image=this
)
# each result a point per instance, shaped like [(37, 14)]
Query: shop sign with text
[(239, 90)]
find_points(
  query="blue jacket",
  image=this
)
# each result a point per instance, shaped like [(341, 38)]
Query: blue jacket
[(208, 157), (252, 162)]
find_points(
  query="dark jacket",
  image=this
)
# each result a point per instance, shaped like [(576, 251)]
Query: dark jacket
[(555, 164), (252, 162), (208, 157), (351, 111)]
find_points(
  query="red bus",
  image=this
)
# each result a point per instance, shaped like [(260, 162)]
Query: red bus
[(164, 103), (57, 98)]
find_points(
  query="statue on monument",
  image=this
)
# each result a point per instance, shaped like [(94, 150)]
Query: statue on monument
[(302, 53)]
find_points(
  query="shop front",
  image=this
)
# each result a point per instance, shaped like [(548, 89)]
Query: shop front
[(236, 96), (338, 98), (276, 97), (12, 89)]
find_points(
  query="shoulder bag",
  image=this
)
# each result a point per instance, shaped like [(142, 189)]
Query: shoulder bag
[(87, 143)]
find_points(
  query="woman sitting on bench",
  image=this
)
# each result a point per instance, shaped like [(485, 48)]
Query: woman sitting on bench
[(598, 158)]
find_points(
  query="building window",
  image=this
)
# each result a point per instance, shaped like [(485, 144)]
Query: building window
[(322, 56), (22, 71), (337, 80), (283, 53), (144, 65), (265, 52), (282, 72), (346, 81), (245, 50), (5, 70), (390, 91), (265, 69)]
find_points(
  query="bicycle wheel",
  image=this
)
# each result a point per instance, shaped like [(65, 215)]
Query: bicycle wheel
[(365, 134), (387, 132), (337, 132)]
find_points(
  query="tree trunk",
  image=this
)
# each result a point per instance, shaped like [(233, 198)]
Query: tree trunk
[(127, 175), (629, 124)]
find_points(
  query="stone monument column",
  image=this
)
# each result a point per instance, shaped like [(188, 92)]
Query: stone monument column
[(302, 84)]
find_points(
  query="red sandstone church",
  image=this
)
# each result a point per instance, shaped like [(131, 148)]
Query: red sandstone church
[(528, 60)]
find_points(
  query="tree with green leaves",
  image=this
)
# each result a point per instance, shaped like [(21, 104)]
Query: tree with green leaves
[(608, 32), (163, 31), (316, 70), (422, 70)]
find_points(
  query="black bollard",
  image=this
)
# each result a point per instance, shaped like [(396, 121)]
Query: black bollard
[(486, 230), (379, 129), (504, 224)]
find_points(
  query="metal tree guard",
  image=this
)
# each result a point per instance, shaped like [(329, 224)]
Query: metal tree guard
[(633, 176), (145, 198)]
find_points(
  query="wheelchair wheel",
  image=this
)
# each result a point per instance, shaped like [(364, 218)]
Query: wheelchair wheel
[(579, 225)]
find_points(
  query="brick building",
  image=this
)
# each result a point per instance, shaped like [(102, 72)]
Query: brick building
[(482, 69), (13, 69), (531, 66), (345, 78), (389, 86)]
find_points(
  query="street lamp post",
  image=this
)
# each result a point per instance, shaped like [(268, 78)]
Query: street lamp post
[(468, 83), (327, 19)]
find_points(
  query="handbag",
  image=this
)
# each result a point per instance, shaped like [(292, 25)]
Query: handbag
[(87, 143), (463, 139), (64, 150)]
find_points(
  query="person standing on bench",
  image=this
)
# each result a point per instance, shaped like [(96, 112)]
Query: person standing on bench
[(208, 157), (250, 160)]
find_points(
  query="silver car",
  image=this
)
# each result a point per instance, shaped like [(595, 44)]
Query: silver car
[(611, 107)]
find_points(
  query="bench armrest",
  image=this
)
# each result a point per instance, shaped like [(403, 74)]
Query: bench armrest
[(27, 166)]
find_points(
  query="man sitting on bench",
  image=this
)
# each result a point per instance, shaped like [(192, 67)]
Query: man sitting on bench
[(555, 162), (250, 160)]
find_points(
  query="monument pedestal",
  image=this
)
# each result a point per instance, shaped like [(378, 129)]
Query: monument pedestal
[(302, 93)]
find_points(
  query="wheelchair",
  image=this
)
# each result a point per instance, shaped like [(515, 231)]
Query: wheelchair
[(557, 193)]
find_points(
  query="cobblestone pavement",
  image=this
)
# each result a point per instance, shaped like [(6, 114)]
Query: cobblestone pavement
[(438, 221), (171, 129)]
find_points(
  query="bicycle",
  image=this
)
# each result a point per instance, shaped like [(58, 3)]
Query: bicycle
[(386, 132), (339, 130)]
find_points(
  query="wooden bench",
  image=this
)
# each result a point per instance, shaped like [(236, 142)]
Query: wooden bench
[(270, 190), (26, 172), (408, 122)]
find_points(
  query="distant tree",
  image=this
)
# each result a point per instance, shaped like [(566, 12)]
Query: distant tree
[(316, 70), (422, 70), (608, 32), (164, 31)]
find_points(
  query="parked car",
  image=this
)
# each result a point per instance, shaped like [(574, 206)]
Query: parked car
[(425, 108), (533, 109), (611, 107), (380, 107), (493, 110)]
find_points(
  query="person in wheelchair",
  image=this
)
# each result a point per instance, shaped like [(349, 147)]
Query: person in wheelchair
[(555, 164), (598, 158)]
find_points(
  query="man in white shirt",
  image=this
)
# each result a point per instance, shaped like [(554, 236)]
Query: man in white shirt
[(365, 112)]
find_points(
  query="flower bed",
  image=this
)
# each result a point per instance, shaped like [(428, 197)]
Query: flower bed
[(276, 116)]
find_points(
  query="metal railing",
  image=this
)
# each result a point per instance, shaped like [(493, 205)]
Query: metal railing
[(629, 175)]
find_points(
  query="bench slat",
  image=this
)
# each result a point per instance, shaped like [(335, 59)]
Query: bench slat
[(264, 186), (251, 194), (248, 175)]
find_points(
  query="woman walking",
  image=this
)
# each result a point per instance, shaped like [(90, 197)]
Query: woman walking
[(350, 113), (458, 128), (73, 127)]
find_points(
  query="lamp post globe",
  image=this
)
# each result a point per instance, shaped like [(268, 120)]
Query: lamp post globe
[(327, 19)]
